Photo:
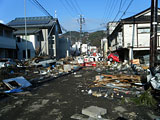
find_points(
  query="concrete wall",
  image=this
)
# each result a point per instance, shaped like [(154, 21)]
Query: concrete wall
[(130, 34), (64, 45), (44, 42), (134, 33), (9, 43), (31, 45)]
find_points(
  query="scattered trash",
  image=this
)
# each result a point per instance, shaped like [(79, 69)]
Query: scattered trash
[(77, 75), (16, 84), (90, 92)]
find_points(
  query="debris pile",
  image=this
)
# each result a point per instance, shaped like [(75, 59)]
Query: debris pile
[(37, 70), (118, 80)]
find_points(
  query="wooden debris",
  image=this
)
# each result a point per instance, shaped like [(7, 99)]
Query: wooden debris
[(117, 80)]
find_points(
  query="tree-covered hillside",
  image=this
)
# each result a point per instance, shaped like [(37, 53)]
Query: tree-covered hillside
[(93, 38)]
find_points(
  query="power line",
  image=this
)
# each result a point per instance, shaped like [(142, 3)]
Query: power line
[(70, 6), (78, 6), (67, 8), (35, 2), (118, 11), (126, 9), (74, 6), (41, 7), (105, 10), (124, 12), (95, 29), (111, 10)]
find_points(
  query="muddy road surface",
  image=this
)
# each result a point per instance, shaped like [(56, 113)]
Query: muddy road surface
[(63, 97)]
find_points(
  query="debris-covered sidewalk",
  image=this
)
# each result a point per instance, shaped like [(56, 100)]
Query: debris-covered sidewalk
[(35, 71)]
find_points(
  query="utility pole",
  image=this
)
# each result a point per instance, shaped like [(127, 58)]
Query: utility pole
[(153, 34), (25, 29), (81, 21)]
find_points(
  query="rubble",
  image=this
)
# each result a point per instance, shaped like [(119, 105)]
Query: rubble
[(13, 85), (40, 69)]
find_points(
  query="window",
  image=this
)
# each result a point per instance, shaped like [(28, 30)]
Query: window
[(144, 30), (158, 29), (8, 33), (50, 41), (1, 32), (51, 52), (24, 54), (28, 52)]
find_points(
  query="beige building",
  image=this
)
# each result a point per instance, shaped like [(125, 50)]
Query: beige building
[(42, 36), (133, 33)]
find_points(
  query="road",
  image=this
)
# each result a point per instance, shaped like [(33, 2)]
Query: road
[(63, 97)]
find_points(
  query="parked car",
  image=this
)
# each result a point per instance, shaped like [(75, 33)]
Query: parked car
[(43, 61), (7, 62), (113, 57)]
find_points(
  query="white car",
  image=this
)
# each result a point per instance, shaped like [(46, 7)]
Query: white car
[(7, 62), (43, 62)]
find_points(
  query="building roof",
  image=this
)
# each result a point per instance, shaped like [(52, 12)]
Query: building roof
[(35, 22), (6, 26), (141, 17), (22, 32)]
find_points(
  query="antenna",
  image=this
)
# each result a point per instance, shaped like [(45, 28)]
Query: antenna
[(55, 14)]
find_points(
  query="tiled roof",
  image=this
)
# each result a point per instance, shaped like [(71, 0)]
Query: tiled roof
[(6, 26), (45, 21), (22, 32), (34, 22), (140, 17)]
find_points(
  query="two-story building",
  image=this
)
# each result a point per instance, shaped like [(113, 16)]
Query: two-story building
[(40, 36), (7, 42), (131, 36)]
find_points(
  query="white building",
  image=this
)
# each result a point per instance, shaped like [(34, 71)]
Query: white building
[(7, 42), (84, 48), (42, 36), (76, 49), (104, 47), (133, 33)]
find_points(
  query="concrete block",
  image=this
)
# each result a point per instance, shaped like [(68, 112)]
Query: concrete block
[(94, 111), (79, 117), (67, 68)]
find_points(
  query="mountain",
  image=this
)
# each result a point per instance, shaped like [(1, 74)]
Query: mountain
[(93, 38)]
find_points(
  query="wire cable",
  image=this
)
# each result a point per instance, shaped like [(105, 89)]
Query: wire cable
[(78, 6), (75, 8), (39, 5), (111, 10), (126, 9), (70, 6), (67, 9), (118, 11), (106, 9)]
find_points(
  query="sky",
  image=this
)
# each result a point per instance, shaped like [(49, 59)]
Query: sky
[(96, 13)]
